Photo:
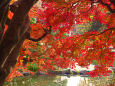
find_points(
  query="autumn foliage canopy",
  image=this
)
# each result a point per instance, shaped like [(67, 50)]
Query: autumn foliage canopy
[(82, 31)]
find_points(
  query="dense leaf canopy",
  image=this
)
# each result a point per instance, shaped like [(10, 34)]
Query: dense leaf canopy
[(81, 31)]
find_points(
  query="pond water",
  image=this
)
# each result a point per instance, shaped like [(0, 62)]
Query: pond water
[(75, 80), (72, 81), (45, 80)]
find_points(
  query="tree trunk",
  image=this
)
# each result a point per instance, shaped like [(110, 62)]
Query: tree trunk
[(14, 37), (3, 15), (11, 61)]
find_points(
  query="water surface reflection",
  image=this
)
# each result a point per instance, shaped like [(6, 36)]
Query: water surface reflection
[(46, 80)]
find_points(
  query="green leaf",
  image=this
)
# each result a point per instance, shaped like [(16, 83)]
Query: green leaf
[(24, 49), (33, 21), (33, 67), (32, 50), (95, 62), (41, 56), (26, 56), (38, 44)]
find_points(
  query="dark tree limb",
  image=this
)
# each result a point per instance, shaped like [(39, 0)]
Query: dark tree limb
[(103, 31), (108, 6), (112, 1), (46, 32)]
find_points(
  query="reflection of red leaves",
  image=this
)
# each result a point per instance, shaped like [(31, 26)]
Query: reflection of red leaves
[(18, 74), (13, 74)]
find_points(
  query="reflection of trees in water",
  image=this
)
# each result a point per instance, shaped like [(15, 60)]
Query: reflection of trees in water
[(43, 80), (98, 81)]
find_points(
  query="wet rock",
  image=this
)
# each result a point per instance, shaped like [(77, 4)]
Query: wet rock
[(24, 73), (74, 72)]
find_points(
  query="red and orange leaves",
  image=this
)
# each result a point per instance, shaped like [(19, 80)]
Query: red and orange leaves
[(111, 21), (12, 1), (10, 15), (56, 15), (36, 28), (36, 31), (33, 13), (13, 74), (99, 71), (61, 15)]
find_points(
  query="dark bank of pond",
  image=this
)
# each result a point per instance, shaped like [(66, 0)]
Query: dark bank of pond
[(49, 80)]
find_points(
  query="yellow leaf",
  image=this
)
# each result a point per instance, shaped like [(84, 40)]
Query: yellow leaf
[(12, 1), (96, 38), (21, 60), (75, 52), (91, 16)]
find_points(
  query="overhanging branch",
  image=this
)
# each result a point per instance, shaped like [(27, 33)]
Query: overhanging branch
[(103, 31), (108, 6), (36, 40)]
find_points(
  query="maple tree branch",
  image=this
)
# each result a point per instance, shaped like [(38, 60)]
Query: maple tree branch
[(112, 1), (75, 2), (103, 31), (46, 32), (13, 8), (106, 30), (108, 6), (100, 32)]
